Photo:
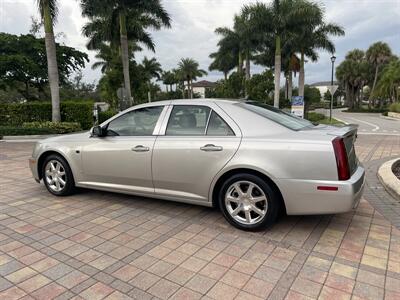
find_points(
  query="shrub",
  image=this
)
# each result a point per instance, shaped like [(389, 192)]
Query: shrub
[(12, 130), (105, 115), (395, 107), (15, 114), (61, 127), (315, 117)]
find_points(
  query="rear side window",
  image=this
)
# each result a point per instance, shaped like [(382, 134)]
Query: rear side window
[(188, 120), (217, 126), (277, 115)]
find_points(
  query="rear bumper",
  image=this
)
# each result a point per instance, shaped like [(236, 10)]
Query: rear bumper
[(303, 198)]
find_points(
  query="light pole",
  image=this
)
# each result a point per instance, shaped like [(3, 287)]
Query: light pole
[(333, 58)]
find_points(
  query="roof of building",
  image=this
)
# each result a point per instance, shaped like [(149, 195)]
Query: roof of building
[(204, 83), (324, 83)]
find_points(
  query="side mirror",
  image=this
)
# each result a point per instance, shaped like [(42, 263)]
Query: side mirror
[(97, 131)]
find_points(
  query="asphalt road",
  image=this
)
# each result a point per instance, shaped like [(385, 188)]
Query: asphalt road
[(369, 123)]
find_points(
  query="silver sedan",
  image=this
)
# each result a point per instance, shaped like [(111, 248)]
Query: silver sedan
[(251, 160)]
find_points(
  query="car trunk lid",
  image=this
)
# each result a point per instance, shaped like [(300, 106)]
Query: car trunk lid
[(348, 134)]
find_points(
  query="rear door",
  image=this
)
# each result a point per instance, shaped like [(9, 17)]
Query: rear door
[(194, 144)]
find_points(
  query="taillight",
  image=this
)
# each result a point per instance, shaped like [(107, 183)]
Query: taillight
[(342, 162)]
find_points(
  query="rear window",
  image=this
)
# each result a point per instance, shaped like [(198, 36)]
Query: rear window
[(277, 115)]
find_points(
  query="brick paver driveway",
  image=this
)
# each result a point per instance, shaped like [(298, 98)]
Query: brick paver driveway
[(98, 245)]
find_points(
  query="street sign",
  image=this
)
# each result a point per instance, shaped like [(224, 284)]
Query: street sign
[(332, 89), (298, 106)]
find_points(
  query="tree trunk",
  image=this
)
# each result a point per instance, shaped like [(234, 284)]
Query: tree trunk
[(149, 92), (125, 57), (240, 63), (183, 89), (191, 88), (290, 85), (52, 66), (373, 87), (166, 87), (248, 65), (301, 75), (226, 76), (277, 70), (188, 88)]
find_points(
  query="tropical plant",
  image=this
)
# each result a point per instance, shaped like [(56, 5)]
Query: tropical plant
[(388, 85), (169, 79), (377, 55), (313, 36), (23, 65), (120, 22), (189, 69), (48, 11), (223, 62), (151, 69), (354, 72)]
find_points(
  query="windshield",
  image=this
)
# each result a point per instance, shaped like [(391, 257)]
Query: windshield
[(277, 115)]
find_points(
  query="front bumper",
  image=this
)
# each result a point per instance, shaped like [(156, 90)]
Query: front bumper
[(34, 169), (303, 198)]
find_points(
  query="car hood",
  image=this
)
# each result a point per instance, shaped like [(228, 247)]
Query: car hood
[(72, 137)]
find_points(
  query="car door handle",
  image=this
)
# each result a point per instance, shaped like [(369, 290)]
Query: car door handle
[(211, 147), (140, 148)]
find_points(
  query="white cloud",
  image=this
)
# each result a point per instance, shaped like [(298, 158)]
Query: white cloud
[(194, 21)]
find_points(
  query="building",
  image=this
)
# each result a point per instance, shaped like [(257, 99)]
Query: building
[(323, 86), (200, 87)]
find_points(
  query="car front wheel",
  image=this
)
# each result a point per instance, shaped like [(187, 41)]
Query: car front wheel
[(248, 202), (57, 176)]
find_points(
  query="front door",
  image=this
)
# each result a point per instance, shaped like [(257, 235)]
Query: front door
[(196, 145), (122, 159)]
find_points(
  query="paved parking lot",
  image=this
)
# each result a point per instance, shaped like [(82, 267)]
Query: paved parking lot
[(96, 245)]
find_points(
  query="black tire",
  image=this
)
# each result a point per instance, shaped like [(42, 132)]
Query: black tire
[(272, 197), (69, 187)]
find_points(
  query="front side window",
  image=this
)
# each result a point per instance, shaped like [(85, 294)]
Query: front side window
[(188, 120), (217, 126), (139, 122)]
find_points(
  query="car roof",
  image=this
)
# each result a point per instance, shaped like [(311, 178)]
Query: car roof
[(195, 101)]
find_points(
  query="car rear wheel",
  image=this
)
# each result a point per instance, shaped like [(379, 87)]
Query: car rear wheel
[(248, 202), (57, 176)]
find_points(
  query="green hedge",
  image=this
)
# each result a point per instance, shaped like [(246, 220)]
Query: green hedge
[(47, 127), (61, 127), (105, 115), (71, 111), (394, 107)]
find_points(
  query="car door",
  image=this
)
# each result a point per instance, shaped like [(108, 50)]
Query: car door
[(195, 142), (121, 160)]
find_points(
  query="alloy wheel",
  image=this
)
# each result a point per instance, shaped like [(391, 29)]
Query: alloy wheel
[(246, 202), (55, 175)]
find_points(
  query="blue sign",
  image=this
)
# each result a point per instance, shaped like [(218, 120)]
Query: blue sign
[(297, 101)]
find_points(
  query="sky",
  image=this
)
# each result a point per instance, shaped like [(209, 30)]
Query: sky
[(194, 21)]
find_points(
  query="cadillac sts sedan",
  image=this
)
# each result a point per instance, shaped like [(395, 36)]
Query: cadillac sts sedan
[(251, 160)]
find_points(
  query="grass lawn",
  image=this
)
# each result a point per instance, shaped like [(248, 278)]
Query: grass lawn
[(322, 119)]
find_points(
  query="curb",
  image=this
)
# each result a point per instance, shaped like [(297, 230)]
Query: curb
[(388, 179)]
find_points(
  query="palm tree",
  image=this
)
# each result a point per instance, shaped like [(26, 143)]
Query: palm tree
[(168, 78), (353, 72), (151, 69), (230, 43), (315, 36), (273, 23), (123, 20), (223, 62), (189, 69), (377, 54), (388, 85), (48, 11)]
